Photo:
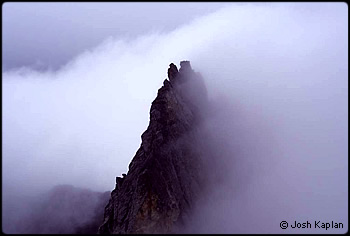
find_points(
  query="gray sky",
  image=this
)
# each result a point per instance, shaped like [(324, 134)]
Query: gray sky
[(277, 72), (44, 35)]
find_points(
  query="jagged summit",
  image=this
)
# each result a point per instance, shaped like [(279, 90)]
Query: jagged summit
[(165, 177), (172, 71), (185, 66), (181, 75)]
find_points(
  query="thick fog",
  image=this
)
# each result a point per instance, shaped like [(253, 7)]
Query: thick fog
[(277, 79), (59, 31)]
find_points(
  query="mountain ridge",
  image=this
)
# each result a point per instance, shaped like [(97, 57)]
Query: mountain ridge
[(166, 175)]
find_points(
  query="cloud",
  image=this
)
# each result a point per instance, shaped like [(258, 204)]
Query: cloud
[(70, 28), (277, 73)]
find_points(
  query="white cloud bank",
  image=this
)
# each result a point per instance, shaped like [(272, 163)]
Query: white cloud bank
[(283, 66)]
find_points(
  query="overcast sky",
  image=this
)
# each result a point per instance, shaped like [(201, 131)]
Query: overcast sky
[(79, 79), (44, 35)]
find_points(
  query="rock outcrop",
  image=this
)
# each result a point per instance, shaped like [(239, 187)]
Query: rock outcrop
[(166, 175)]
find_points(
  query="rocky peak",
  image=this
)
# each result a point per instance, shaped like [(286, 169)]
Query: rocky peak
[(165, 176), (172, 71), (185, 66), (182, 75)]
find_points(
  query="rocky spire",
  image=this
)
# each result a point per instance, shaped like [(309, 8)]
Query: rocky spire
[(165, 177), (185, 66), (172, 71)]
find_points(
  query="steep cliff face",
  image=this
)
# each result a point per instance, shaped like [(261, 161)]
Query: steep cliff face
[(166, 176)]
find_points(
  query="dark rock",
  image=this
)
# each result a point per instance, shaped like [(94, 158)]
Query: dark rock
[(185, 67), (166, 175), (172, 71)]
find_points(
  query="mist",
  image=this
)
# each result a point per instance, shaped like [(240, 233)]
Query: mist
[(277, 79), (60, 31)]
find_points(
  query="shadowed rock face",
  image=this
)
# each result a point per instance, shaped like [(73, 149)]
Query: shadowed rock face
[(166, 176)]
